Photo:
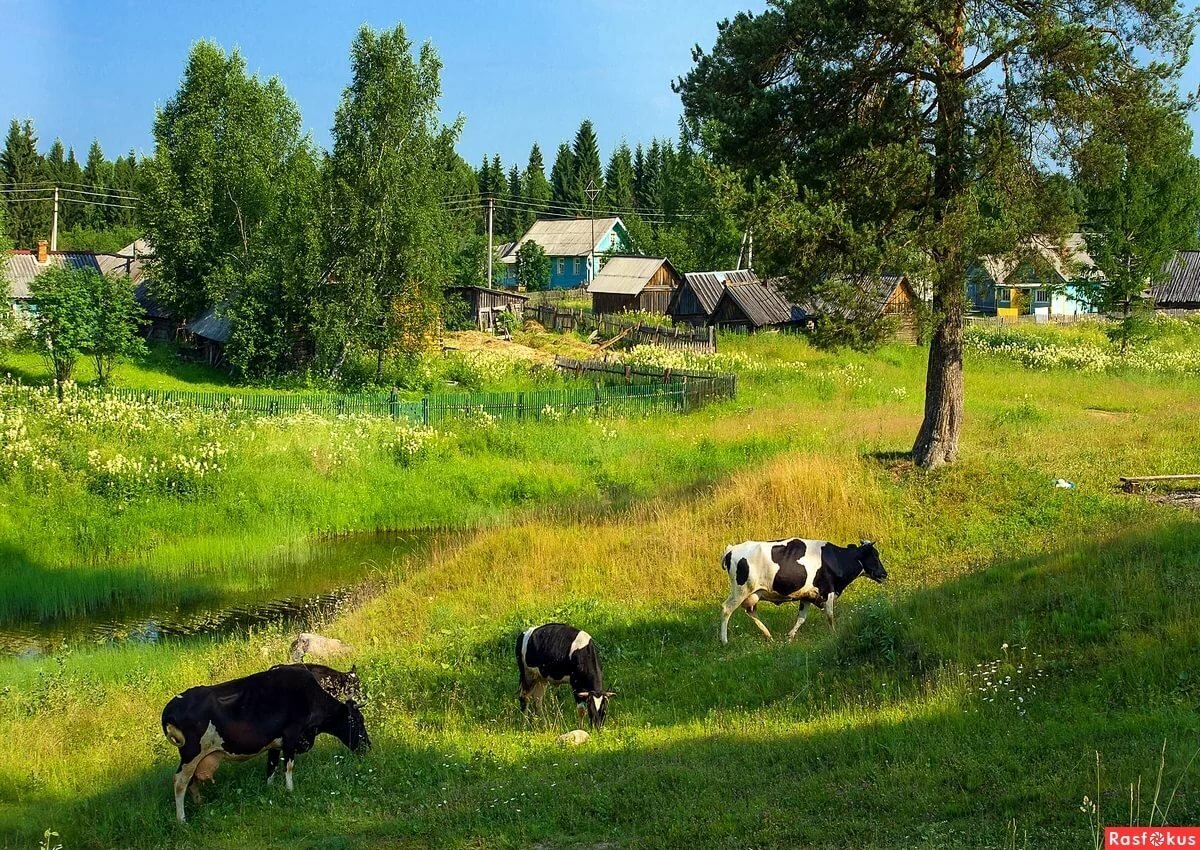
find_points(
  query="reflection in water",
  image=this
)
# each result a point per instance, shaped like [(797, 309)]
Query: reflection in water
[(314, 586)]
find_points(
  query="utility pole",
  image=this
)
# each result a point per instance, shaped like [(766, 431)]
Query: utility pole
[(750, 251), (592, 192), (491, 215), (54, 224), (742, 248)]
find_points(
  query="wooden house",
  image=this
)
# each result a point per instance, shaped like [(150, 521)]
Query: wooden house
[(1180, 291), (696, 297), (753, 306), (570, 244), (1041, 278), (485, 305), (883, 296), (628, 283)]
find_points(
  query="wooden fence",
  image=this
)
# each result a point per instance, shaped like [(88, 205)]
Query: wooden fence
[(699, 387), (560, 320), (702, 340), (1002, 321), (606, 394)]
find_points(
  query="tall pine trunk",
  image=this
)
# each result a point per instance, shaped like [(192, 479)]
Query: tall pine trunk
[(937, 441)]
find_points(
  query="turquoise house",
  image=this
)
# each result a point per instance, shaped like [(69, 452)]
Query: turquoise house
[(569, 243)]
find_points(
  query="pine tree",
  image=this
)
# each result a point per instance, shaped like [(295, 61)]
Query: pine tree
[(639, 176), (72, 176), (562, 179), (535, 187), (588, 170), (512, 216), (21, 166), (97, 173), (618, 181)]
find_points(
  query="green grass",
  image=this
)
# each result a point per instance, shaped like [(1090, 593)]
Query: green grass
[(899, 730)]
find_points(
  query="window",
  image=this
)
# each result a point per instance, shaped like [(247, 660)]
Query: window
[(1002, 296), (1040, 296), (578, 265), (562, 266)]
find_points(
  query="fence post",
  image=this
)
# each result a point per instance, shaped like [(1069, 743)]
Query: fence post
[(394, 403), (425, 410), (521, 407)]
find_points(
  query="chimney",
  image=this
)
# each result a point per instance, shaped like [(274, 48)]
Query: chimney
[(43, 254)]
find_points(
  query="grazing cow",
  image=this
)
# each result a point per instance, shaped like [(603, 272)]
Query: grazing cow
[(793, 570), (279, 710), (344, 686), (310, 643), (554, 654)]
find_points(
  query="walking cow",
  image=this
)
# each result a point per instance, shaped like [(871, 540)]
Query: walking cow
[(793, 570), (555, 654)]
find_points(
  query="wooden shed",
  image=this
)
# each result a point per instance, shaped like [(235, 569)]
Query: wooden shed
[(209, 332), (627, 283), (696, 297), (485, 305), (1180, 290), (754, 306), (887, 296)]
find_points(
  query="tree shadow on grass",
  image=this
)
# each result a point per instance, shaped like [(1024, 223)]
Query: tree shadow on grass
[(712, 746)]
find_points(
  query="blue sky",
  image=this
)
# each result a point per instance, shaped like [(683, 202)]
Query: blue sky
[(518, 72)]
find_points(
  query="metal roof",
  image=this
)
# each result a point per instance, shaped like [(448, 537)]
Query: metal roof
[(1182, 285), (627, 275), (708, 286), (1070, 261), (566, 237), (22, 267), (508, 293), (212, 324), (762, 304)]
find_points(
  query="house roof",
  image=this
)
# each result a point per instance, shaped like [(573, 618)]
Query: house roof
[(1183, 282), (565, 237), (212, 323), (507, 293), (762, 304), (625, 275), (708, 286), (22, 267), (1070, 262), (868, 295)]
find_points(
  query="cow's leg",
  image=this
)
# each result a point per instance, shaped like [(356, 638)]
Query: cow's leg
[(829, 609), (536, 694), (272, 765), (750, 605), (189, 759), (799, 620), (292, 743), (737, 594)]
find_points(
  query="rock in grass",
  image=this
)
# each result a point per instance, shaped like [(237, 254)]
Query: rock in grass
[(309, 643), (574, 738)]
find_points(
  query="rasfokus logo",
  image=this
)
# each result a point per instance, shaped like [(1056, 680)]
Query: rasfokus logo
[(1151, 836)]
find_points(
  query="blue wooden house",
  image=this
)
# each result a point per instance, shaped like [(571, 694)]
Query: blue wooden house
[(1041, 278), (569, 243)]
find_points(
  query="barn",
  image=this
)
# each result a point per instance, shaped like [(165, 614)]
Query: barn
[(1180, 290), (753, 306), (883, 296), (628, 284), (696, 297), (484, 305)]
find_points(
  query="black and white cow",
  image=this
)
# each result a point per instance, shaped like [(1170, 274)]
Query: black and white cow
[(279, 710), (344, 686), (793, 570), (555, 654)]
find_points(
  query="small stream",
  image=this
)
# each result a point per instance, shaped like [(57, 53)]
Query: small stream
[(295, 587)]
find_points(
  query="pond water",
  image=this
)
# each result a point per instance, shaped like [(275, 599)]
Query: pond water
[(296, 586)]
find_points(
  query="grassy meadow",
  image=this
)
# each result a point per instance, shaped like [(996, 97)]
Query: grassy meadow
[(1027, 635)]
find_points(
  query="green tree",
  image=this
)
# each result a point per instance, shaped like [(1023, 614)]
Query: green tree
[(230, 166), (619, 181), (116, 316), (97, 173), (64, 323), (562, 180), (534, 187), (514, 216), (923, 127), (21, 168), (392, 240), (1142, 189), (533, 267), (587, 169)]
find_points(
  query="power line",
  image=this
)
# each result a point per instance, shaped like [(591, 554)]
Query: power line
[(50, 199)]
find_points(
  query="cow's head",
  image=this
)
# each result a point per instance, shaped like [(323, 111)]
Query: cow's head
[(868, 556), (595, 705), (356, 738)]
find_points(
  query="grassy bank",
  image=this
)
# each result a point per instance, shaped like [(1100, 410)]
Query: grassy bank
[(1025, 628)]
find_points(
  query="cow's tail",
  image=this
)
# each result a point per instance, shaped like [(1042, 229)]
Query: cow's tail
[(174, 734)]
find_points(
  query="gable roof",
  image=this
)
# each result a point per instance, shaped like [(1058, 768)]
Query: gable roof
[(22, 267), (1182, 285), (626, 275), (708, 286), (212, 323), (565, 237), (867, 296), (1070, 262), (507, 293), (762, 304)]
